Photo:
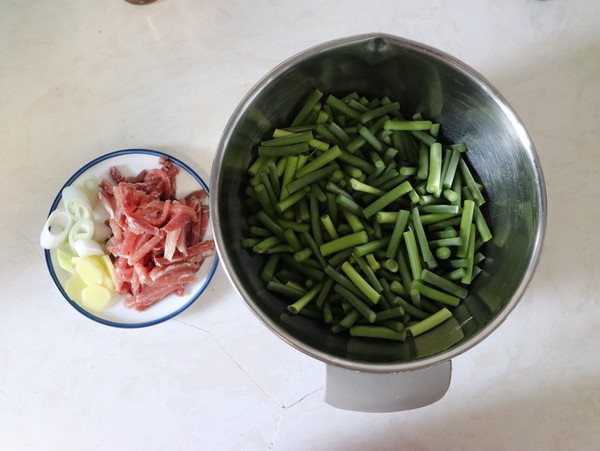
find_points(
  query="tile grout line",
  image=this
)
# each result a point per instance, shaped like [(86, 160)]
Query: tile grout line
[(272, 444), (234, 361), (282, 407), (304, 397), (283, 410)]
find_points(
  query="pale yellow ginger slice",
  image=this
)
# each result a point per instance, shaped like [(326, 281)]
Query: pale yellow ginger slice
[(95, 298), (90, 270), (74, 286)]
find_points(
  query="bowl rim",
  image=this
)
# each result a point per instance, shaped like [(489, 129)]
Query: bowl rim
[(493, 93), (48, 257)]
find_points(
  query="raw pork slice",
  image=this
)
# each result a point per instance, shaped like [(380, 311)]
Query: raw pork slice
[(157, 244)]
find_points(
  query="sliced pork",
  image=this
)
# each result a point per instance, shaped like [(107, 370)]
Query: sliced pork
[(157, 243)]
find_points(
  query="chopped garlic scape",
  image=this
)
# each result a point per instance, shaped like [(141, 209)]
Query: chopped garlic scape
[(56, 229), (77, 203)]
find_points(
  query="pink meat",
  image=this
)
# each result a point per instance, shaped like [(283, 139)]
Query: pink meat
[(180, 216), (107, 197), (118, 177), (182, 240), (195, 253), (148, 296), (157, 244), (175, 273), (171, 243)]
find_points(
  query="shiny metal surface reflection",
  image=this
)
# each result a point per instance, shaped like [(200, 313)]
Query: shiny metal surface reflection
[(470, 110)]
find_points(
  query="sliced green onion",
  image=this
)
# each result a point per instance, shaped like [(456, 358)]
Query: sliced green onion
[(89, 185), (81, 230), (77, 203), (56, 229), (87, 248)]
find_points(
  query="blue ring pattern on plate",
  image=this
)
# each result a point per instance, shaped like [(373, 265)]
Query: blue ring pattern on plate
[(51, 266)]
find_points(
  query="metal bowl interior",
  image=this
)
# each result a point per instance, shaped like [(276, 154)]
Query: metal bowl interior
[(470, 111)]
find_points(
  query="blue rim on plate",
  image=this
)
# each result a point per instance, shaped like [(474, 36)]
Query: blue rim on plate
[(56, 279)]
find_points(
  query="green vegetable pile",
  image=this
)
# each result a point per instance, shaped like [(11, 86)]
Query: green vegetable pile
[(367, 220)]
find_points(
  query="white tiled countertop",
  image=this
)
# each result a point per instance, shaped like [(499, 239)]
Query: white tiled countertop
[(82, 78)]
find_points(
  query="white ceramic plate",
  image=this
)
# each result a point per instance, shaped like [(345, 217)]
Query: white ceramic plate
[(131, 162)]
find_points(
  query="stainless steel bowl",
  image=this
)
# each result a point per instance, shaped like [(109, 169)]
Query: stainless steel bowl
[(471, 111)]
